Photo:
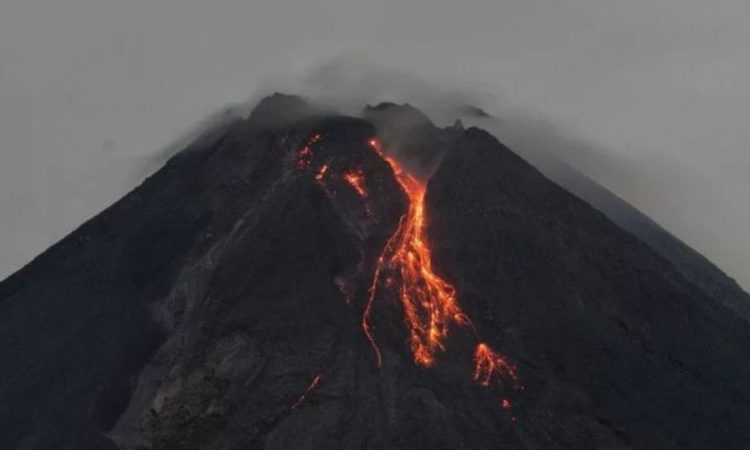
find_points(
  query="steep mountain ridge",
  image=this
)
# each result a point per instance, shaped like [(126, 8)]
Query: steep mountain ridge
[(691, 264)]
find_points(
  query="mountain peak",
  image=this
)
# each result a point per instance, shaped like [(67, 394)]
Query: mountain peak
[(392, 116), (309, 280), (278, 110)]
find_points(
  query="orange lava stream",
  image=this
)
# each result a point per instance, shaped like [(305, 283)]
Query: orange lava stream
[(489, 365), (356, 180), (315, 382), (430, 302)]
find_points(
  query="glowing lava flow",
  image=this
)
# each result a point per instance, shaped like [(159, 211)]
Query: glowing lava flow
[(430, 302), (314, 384), (356, 180)]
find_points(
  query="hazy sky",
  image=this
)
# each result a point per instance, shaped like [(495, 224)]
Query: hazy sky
[(90, 89)]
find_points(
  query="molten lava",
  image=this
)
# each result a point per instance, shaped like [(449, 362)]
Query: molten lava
[(356, 180), (314, 384), (490, 365), (430, 302)]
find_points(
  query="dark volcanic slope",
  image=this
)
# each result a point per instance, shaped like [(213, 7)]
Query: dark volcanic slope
[(219, 305), (540, 145), (691, 264), (616, 342)]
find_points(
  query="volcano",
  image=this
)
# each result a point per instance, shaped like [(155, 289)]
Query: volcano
[(298, 279)]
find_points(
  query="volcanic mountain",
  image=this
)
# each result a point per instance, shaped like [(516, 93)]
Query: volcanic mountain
[(301, 279)]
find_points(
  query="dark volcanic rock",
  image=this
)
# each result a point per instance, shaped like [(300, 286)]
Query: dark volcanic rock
[(616, 347), (691, 264), (219, 305)]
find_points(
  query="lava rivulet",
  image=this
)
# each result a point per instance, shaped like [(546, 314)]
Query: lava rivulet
[(311, 387), (356, 180)]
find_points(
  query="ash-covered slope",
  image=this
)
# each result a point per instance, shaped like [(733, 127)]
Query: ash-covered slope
[(623, 347), (691, 264), (228, 303)]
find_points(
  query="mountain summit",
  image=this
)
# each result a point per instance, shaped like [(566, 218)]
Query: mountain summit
[(302, 280)]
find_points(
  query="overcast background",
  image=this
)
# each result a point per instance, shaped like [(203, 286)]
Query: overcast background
[(657, 91)]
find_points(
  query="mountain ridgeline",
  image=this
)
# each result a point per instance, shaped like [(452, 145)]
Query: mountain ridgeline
[(298, 279)]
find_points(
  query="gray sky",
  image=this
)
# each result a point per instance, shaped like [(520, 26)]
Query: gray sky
[(660, 89)]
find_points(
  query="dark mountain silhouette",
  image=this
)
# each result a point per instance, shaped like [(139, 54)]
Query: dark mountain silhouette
[(251, 294), (691, 264)]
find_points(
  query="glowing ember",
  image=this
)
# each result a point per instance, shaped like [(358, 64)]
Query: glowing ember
[(356, 180), (321, 173), (491, 366), (314, 384), (304, 156)]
